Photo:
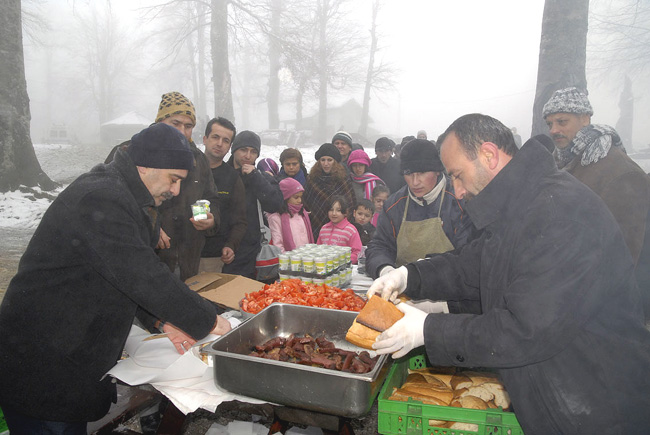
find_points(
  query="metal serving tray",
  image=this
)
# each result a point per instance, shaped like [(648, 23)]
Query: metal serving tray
[(314, 388)]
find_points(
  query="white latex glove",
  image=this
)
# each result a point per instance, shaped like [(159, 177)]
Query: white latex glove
[(406, 334), (389, 285), (386, 269)]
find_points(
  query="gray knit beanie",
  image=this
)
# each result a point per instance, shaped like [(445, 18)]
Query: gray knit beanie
[(568, 100), (244, 139), (344, 136), (161, 146)]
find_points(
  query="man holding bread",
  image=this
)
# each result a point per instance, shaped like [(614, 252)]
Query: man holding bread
[(561, 319)]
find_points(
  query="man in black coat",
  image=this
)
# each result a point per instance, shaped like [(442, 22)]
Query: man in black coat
[(220, 248), (88, 272), (561, 320), (260, 188), (385, 166)]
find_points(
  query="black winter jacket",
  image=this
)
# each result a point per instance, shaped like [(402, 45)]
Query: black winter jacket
[(88, 270), (389, 172), (261, 187), (561, 320)]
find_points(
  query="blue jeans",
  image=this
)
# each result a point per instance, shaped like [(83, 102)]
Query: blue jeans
[(20, 424)]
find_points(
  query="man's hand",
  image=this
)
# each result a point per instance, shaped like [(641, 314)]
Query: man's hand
[(203, 224), (227, 255), (222, 326), (182, 342), (163, 241), (390, 285), (247, 169), (406, 334)]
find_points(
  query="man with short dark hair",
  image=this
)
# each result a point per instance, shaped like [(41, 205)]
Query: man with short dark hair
[(385, 166), (262, 189), (220, 248), (88, 272), (560, 317)]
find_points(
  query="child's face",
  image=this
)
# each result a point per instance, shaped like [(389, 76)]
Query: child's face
[(362, 215), (335, 214), (379, 201), (295, 199), (358, 169), (291, 166)]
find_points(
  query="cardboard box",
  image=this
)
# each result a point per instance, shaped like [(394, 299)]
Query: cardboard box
[(224, 289)]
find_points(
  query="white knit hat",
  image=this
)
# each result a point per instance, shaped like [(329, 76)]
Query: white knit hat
[(568, 100)]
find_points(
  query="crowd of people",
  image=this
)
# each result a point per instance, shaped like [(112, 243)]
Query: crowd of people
[(536, 258)]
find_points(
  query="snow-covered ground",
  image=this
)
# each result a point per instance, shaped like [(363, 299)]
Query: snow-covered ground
[(63, 163)]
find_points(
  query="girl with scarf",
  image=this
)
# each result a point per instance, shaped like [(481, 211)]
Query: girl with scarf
[(291, 228), (326, 179), (363, 182), (292, 166)]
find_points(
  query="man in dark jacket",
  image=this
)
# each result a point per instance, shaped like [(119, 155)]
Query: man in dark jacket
[(385, 166), (560, 319), (88, 271), (182, 237), (220, 248), (421, 218), (595, 155), (260, 187)]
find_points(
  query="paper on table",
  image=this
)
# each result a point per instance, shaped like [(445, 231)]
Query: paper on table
[(185, 379)]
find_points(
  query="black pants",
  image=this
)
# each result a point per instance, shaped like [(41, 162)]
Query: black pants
[(20, 424)]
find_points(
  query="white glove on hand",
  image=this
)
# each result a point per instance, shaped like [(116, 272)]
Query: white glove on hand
[(406, 334), (389, 285), (386, 269)]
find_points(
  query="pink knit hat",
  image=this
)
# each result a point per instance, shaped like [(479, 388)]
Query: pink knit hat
[(359, 156), (289, 187)]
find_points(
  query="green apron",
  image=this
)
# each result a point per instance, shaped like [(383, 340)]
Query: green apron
[(419, 238)]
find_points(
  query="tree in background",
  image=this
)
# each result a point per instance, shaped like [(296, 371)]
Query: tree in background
[(220, 60), (562, 53), (18, 162), (378, 77)]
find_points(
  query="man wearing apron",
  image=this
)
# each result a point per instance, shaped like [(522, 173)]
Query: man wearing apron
[(423, 217)]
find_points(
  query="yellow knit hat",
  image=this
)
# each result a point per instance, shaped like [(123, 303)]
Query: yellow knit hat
[(175, 103)]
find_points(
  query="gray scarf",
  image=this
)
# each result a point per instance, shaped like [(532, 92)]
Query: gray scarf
[(593, 142)]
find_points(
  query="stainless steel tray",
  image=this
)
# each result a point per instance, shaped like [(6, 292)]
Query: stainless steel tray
[(317, 389)]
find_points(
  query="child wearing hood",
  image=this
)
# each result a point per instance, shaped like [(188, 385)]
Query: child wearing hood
[(363, 182), (291, 227)]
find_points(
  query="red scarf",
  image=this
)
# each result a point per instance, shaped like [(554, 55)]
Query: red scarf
[(287, 238), (369, 180)]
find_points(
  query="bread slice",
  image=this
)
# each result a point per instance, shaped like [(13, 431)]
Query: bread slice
[(379, 314), (361, 336)]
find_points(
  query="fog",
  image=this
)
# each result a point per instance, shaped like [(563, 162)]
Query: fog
[(450, 58)]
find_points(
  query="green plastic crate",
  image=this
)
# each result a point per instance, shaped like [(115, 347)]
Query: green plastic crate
[(3, 423), (413, 417)]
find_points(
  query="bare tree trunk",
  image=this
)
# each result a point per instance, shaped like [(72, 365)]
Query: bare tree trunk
[(220, 64), (273, 96), (300, 94), (625, 123), (18, 162), (323, 9), (562, 53), (202, 106), (363, 125)]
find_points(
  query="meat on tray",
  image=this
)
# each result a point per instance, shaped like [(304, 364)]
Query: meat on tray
[(317, 352)]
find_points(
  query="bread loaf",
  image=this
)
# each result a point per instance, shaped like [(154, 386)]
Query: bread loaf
[(374, 318)]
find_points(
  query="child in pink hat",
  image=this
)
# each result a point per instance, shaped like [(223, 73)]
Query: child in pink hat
[(291, 227)]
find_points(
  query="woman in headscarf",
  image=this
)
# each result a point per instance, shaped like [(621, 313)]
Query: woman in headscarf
[(326, 179)]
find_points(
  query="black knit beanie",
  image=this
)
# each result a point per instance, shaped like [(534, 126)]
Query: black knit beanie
[(420, 155), (384, 144), (246, 138), (327, 149), (161, 146)]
